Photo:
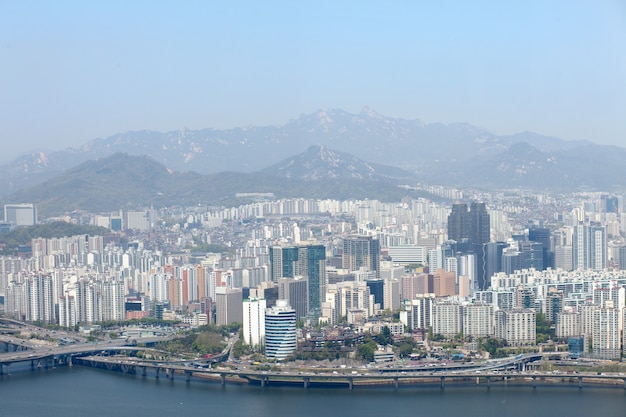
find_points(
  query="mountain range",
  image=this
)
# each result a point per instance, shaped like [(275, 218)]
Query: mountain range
[(132, 182), (366, 146)]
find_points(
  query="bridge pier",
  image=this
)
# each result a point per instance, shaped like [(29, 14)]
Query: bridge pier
[(306, 382), (144, 370), (443, 380), (624, 383), (488, 382), (223, 379), (580, 382), (350, 383), (158, 370), (264, 381), (534, 382), (395, 383), (188, 376)]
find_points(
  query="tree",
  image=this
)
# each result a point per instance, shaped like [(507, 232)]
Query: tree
[(366, 351), (384, 337)]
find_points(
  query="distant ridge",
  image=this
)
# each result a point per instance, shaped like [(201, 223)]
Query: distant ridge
[(131, 182), (451, 154)]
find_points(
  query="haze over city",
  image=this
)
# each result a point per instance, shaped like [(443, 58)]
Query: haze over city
[(75, 71)]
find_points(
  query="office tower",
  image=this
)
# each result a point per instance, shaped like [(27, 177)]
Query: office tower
[(609, 204), (543, 235), (471, 230), (479, 224), (532, 255), (306, 261), (563, 257), (392, 294), (20, 214), (458, 223), (409, 286), (138, 220), (377, 289), (407, 254), (296, 292), (280, 331), (492, 257), (511, 260), (444, 283), (621, 258), (254, 321), (361, 252), (228, 305), (589, 246)]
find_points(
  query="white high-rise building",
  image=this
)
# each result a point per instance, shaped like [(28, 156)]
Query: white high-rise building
[(67, 311), (280, 331), (254, 321), (567, 324), (517, 327), (39, 292), (112, 293), (589, 247), (478, 320), (20, 214), (606, 342), (418, 312), (447, 319)]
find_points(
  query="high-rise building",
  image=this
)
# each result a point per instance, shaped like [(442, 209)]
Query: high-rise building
[(444, 283), (377, 289), (532, 255), (471, 230), (458, 223), (306, 261), (543, 235), (418, 312), (492, 257), (361, 252), (606, 341), (296, 292), (589, 246), (280, 331), (447, 318), (228, 305), (516, 326), (20, 214), (254, 321), (478, 320)]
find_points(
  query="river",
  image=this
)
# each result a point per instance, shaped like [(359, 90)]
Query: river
[(81, 392)]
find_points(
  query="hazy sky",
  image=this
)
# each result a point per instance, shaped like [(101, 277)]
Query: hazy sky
[(74, 71)]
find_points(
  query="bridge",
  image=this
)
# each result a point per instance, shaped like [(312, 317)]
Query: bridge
[(351, 379)]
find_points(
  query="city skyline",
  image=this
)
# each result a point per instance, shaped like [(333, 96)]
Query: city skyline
[(78, 71)]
